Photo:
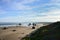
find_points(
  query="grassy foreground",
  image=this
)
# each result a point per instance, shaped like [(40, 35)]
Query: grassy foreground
[(49, 32)]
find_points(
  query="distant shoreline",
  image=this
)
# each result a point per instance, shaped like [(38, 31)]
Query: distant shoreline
[(22, 24)]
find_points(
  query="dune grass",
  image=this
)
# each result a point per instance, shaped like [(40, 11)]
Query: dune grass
[(49, 32)]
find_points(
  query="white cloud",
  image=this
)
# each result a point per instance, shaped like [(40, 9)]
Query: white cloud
[(53, 12), (51, 15), (21, 1), (30, 19), (17, 4), (28, 1), (46, 19), (55, 2)]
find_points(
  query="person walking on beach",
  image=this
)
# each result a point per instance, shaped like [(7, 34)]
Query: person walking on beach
[(29, 24), (20, 24), (33, 27)]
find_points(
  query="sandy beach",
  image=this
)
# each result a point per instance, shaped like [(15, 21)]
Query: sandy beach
[(16, 33)]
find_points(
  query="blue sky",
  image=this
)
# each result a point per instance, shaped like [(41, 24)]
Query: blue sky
[(29, 10)]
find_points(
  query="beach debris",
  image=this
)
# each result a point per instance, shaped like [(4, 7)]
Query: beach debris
[(33, 27), (4, 28), (13, 30), (22, 33)]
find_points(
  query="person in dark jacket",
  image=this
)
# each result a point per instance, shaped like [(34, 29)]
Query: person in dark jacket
[(33, 27), (29, 24)]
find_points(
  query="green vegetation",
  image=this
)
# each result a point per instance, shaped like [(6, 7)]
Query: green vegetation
[(49, 32)]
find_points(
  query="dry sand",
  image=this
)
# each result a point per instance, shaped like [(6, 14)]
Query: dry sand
[(15, 33)]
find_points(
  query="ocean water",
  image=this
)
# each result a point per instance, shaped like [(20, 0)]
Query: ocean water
[(4, 24), (13, 24)]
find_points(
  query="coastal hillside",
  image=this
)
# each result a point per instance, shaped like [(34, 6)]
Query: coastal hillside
[(49, 32)]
